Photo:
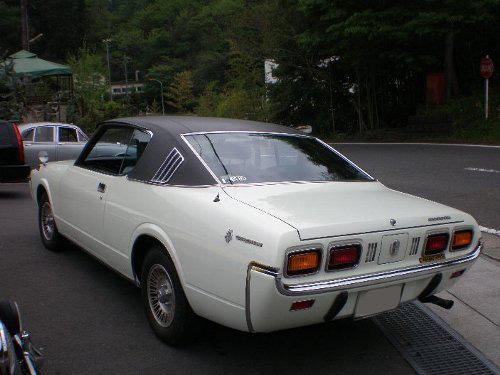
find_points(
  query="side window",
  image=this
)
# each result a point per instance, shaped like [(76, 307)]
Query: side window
[(117, 150), (82, 137), (27, 135), (135, 149), (67, 135), (44, 134)]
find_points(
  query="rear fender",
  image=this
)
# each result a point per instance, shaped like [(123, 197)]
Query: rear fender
[(159, 234), (37, 183)]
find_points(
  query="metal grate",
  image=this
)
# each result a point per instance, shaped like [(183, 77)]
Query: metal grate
[(429, 344), (370, 254), (414, 245), (168, 167)]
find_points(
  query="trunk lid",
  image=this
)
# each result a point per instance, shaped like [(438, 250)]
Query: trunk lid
[(332, 209)]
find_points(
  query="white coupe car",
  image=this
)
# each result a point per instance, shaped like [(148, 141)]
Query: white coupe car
[(255, 226)]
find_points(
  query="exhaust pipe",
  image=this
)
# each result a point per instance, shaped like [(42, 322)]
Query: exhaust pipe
[(444, 303)]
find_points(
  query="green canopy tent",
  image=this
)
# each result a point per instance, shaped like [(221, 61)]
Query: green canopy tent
[(46, 85), (31, 70), (27, 64)]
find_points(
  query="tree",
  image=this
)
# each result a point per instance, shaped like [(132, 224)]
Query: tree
[(10, 95), (62, 23), (180, 92), (90, 87), (10, 26)]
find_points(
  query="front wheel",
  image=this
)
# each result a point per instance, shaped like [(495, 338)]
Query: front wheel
[(51, 238), (165, 303)]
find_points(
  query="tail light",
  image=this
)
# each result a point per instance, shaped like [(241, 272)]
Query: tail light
[(303, 262), (436, 243), (342, 257), (461, 239), (20, 147)]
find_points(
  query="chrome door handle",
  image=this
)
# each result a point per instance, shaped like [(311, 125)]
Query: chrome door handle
[(101, 188)]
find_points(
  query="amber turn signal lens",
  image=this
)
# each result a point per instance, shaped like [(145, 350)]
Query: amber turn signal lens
[(461, 239), (303, 262)]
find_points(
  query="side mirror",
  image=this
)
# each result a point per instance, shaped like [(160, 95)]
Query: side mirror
[(304, 128), (43, 157)]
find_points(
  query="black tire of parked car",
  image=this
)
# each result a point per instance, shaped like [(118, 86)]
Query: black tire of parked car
[(56, 240), (182, 327)]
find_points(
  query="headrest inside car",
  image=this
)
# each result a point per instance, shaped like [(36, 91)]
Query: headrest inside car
[(239, 150)]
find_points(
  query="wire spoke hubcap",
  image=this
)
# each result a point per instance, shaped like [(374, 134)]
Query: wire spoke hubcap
[(161, 295), (48, 223)]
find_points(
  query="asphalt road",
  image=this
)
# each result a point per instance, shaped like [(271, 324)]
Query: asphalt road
[(89, 320), (467, 178)]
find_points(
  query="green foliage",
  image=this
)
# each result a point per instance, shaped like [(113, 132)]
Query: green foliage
[(89, 87), (467, 118), (62, 23), (11, 97), (347, 66), (89, 105), (9, 25), (180, 92)]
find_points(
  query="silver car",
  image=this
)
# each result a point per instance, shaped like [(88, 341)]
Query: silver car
[(60, 141)]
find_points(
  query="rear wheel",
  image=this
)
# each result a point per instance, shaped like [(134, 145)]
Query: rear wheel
[(165, 303), (51, 238)]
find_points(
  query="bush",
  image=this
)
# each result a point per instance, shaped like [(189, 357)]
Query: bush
[(466, 115)]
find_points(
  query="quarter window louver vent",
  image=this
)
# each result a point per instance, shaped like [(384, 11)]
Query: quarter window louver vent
[(370, 254), (414, 245), (168, 168)]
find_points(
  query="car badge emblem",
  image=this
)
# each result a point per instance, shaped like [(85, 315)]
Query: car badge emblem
[(394, 248), (249, 241), (229, 236), (393, 222)]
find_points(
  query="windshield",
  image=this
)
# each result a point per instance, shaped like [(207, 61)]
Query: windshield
[(261, 157)]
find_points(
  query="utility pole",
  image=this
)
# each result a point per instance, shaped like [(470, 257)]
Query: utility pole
[(125, 62), (24, 25), (161, 89), (107, 42)]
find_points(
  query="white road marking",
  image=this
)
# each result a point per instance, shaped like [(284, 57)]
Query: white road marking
[(414, 143), (481, 170), (490, 230)]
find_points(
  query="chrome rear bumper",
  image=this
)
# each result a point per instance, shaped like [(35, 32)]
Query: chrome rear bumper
[(367, 280)]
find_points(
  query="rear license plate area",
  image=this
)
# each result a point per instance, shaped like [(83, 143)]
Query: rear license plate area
[(375, 301), (393, 248)]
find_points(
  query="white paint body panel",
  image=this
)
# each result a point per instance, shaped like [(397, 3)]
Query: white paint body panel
[(320, 210), (213, 272)]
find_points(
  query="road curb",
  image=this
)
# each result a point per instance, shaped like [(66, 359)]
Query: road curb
[(492, 246)]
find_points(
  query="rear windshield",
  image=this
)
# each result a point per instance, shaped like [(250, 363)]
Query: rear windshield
[(5, 135), (261, 157)]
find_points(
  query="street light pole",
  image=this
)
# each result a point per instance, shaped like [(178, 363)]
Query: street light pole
[(161, 88), (125, 62), (107, 41)]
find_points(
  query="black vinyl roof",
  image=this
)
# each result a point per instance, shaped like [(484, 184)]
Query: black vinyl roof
[(167, 131), (177, 125)]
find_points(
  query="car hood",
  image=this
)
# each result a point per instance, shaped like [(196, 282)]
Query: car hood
[(332, 209)]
